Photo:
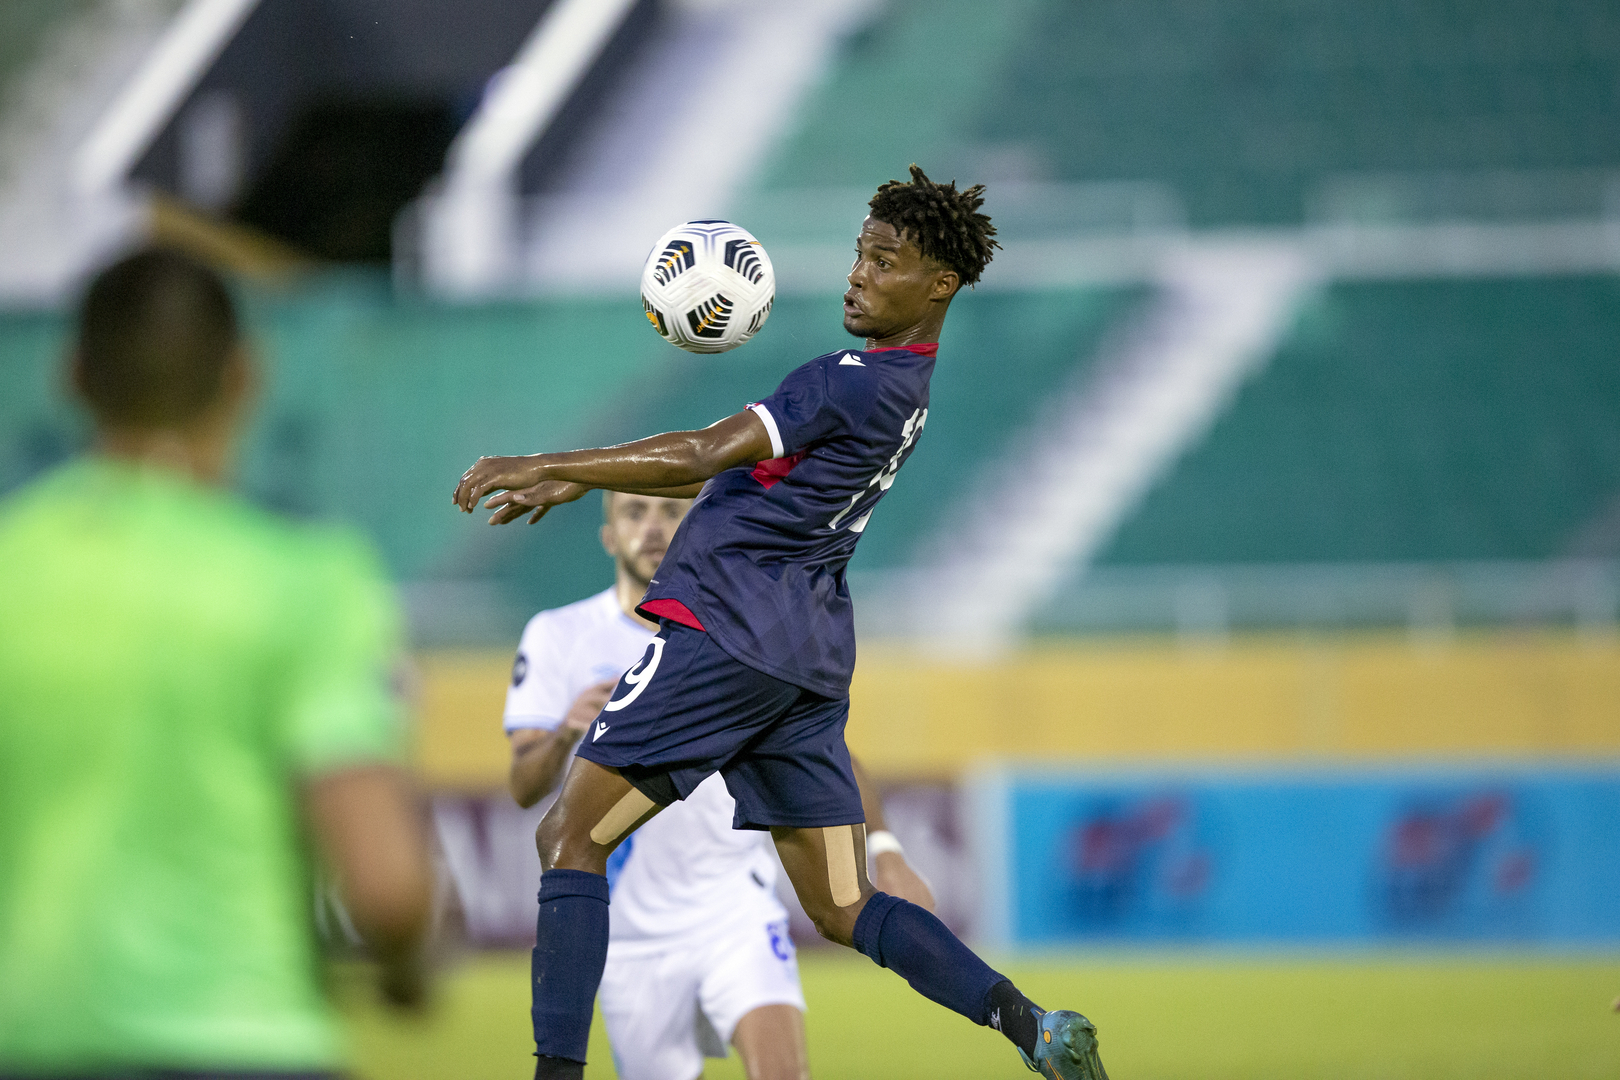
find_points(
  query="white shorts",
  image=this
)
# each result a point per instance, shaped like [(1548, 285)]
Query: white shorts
[(667, 1011)]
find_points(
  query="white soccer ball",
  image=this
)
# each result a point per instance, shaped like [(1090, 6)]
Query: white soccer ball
[(707, 286)]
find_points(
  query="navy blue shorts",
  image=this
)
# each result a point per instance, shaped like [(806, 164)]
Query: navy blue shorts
[(689, 710)]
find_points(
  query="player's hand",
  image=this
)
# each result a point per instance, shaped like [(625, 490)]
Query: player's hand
[(495, 474), (589, 703), (893, 875), (511, 505)]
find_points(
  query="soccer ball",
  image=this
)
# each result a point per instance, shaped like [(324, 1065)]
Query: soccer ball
[(707, 286)]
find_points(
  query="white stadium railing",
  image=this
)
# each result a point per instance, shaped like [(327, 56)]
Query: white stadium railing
[(79, 119), (184, 54), (471, 226)]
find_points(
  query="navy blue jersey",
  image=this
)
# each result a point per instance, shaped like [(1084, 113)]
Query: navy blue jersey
[(760, 557)]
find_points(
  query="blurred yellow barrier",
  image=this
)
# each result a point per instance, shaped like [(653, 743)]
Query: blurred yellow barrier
[(1260, 697), (459, 698)]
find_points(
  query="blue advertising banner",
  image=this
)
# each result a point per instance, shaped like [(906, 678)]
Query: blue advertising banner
[(1492, 854)]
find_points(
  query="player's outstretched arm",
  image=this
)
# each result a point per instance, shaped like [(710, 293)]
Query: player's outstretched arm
[(672, 464)]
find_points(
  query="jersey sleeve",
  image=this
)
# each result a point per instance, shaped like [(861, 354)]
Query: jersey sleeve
[(344, 704), (815, 402), (537, 696)]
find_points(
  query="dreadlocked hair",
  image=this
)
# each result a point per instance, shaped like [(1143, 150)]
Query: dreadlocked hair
[(944, 223)]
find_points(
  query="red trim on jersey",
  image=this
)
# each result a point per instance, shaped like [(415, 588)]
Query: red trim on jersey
[(924, 348), (770, 472), (673, 610)]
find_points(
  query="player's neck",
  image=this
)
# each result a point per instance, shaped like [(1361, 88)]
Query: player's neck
[(923, 332), (200, 454), (629, 589)]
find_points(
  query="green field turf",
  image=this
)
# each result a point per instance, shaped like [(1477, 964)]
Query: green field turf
[(1162, 1016)]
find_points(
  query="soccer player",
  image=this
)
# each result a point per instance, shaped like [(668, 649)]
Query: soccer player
[(186, 683), (698, 954), (749, 673)]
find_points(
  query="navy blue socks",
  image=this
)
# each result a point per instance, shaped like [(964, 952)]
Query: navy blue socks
[(571, 942), (1015, 1016), (909, 941)]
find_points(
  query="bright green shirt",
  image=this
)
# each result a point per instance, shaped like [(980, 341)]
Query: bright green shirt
[(172, 661)]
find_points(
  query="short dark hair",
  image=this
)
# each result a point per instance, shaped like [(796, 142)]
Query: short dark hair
[(155, 331), (944, 223)]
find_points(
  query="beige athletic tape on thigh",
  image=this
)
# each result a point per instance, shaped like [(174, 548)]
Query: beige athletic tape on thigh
[(617, 821), (839, 841)]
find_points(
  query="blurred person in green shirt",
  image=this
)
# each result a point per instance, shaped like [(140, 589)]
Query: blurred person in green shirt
[(195, 705)]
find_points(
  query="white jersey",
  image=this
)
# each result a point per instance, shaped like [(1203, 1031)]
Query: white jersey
[(687, 871)]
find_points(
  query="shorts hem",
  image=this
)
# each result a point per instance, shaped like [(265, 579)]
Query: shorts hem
[(643, 777), (814, 821), (590, 753), (658, 785)]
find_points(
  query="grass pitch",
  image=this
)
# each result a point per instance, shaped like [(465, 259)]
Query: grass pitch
[(1161, 1016)]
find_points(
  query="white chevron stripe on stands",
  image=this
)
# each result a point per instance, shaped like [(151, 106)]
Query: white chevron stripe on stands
[(1095, 450)]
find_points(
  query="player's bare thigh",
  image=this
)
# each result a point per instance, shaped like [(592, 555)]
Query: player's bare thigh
[(828, 871), (597, 809), (770, 1042)]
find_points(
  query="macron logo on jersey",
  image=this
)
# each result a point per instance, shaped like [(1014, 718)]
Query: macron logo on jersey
[(849, 358)]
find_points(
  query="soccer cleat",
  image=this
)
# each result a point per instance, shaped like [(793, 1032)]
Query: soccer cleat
[(1066, 1048)]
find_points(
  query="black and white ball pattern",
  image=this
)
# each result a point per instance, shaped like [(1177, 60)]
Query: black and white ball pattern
[(708, 286)]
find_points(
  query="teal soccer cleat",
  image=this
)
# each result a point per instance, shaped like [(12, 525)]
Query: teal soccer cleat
[(1066, 1049)]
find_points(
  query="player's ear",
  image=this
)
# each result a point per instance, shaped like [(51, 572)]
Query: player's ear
[(945, 285), (609, 542)]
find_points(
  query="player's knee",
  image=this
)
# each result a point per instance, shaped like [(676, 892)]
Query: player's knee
[(836, 924), (835, 929), (547, 841), (560, 847)]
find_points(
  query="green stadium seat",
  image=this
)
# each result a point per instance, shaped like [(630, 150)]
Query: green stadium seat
[(1406, 422)]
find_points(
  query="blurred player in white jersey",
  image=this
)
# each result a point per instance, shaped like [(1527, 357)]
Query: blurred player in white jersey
[(698, 953)]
